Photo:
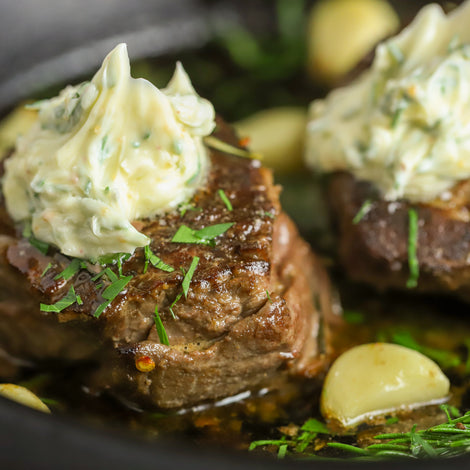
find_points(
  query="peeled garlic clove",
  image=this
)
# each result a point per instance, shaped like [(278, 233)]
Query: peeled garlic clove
[(22, 395), (372, 379), (342, 32), (278, 135)]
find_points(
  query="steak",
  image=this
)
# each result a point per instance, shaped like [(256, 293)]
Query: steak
[(375, 249), (257, 308)]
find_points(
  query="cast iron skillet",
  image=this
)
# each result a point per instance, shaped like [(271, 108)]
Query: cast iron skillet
[(52, 41)]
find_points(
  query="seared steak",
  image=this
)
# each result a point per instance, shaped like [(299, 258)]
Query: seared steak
[(255, 309), (375, 250)]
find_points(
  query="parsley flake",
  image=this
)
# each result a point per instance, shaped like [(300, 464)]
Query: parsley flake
[(173, 304), (204, 236), (361, 213), (413, 262), (111, 292), (70, 298), (225, 199), (49, 266), (70, 270), (160, 328), (189, 275), (156, 262)]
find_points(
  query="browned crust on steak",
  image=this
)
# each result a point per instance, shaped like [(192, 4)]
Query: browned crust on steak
[(375, 250), (226, 336)]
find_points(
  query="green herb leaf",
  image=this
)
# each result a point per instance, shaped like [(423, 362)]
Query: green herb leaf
[(43, 247), (160, 328), (189, 275), (225, 199), (155, 261), (70, 270), (66, 301), (173, 304), (413, 262), (269, 297), (313, 425), (365, 208), (49, 266), (111, 292), (204, 236)]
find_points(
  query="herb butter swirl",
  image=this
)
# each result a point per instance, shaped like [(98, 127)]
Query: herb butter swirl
[(403, 125), (105, 153)]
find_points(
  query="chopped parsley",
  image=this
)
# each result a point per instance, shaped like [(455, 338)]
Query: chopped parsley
[(63, 303), (204, 236), (160, 328), (49, 266), (365, 208), (70, 270), (114, 258), (189, 275), (225, 199), (413, 262), (43, 247), (269, 297), (111, 292), (173, 304), (156, 262)]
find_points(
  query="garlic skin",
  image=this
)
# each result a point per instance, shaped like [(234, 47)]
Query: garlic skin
[(373, 379)]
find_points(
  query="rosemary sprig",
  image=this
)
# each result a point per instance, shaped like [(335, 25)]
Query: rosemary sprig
[(449, 439)]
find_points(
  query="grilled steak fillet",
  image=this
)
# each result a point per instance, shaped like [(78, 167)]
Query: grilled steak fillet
[(255, 309), (375, 250)]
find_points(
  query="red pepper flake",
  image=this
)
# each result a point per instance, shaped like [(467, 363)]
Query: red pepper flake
[(244, 142), (460, 426), (144, 364)]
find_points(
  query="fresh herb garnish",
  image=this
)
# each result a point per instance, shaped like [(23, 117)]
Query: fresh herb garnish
[(365, 208), (70, 298), (114, 258), (413, 262), (204, 236), (450, 439), (189, 275), (156, 262), (43, 247), (225, 199), (49, 266), (173, 304), (269, 214), (111, 292), (70, 270), (268, 296), (221, 146), (160, 328)]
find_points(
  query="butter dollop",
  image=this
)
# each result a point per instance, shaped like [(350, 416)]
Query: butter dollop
[(404, 124), (105, 153)]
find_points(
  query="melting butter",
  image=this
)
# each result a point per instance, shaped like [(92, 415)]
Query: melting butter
[(403, 125), (105, 153)]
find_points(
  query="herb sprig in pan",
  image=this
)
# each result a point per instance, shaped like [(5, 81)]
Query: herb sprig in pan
[(450, 439)]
